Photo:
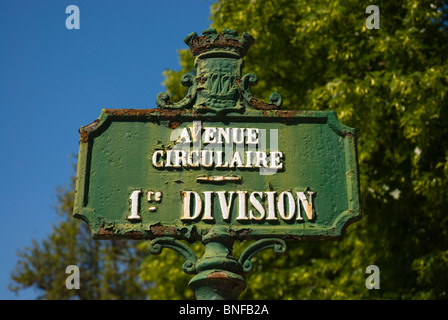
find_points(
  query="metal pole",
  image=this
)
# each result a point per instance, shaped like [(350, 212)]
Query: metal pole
[(219, 276), (219, 273)]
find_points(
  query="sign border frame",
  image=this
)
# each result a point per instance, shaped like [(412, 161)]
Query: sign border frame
[(193, 232)]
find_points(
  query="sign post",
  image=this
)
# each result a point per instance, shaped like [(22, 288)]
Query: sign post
[(216, 167)]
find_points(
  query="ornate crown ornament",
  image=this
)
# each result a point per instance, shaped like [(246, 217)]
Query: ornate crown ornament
[(217, 85), (227, 41)]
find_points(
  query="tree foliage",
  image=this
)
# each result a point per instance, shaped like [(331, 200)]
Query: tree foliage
[(390, 84), (107, 269)]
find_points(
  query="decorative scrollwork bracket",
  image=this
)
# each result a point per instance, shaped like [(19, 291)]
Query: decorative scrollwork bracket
[(156, 246), (218, 274), (278, 245)]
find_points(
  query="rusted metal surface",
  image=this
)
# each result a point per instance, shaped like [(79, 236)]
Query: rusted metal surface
[(159, 113), (174, 124), (211, 40), (260, 105), (102, 232), (159, 230), (85, 130), (218, 178), (105, 150), (217, 275)]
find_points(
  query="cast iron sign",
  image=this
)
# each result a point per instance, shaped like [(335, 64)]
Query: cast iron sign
[(218, 158)]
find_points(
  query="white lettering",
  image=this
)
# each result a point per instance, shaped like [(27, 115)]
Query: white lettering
[(257, 205), (308, 205), (207, 154), (224, 133), (244, 309), (238, 139), (184, 136), (244, 149), (271, 205), (209, 135), (275, 160), (261, 205), (236, 159), (191, 163), (225, 206), (168, 158), (187, 205), (196, 131), (261, 159), (219, 158), (180, 158), (196, 310), (248, 159), (155, 159), (208, 206), (242, 205), (135, 197), (252, 135), (281, 205)]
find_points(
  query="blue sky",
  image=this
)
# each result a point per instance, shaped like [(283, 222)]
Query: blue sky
[(54, 80)]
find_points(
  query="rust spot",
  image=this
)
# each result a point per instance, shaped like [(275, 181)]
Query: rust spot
[(105, 232), (159, 230), (285, 113), (162, 113), (242, 234), (218, 178), (166, 113), (86, 130), (130, 112), (203, 44), (174, 124), (217, 275), (349, 134), (261, 105), (237, 80), (225, 284), (136, 235)]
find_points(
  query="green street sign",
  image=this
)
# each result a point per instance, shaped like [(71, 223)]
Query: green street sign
[(217, 166), (263, 173)]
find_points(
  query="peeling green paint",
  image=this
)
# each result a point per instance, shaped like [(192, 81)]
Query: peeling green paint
[(319, 155)]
